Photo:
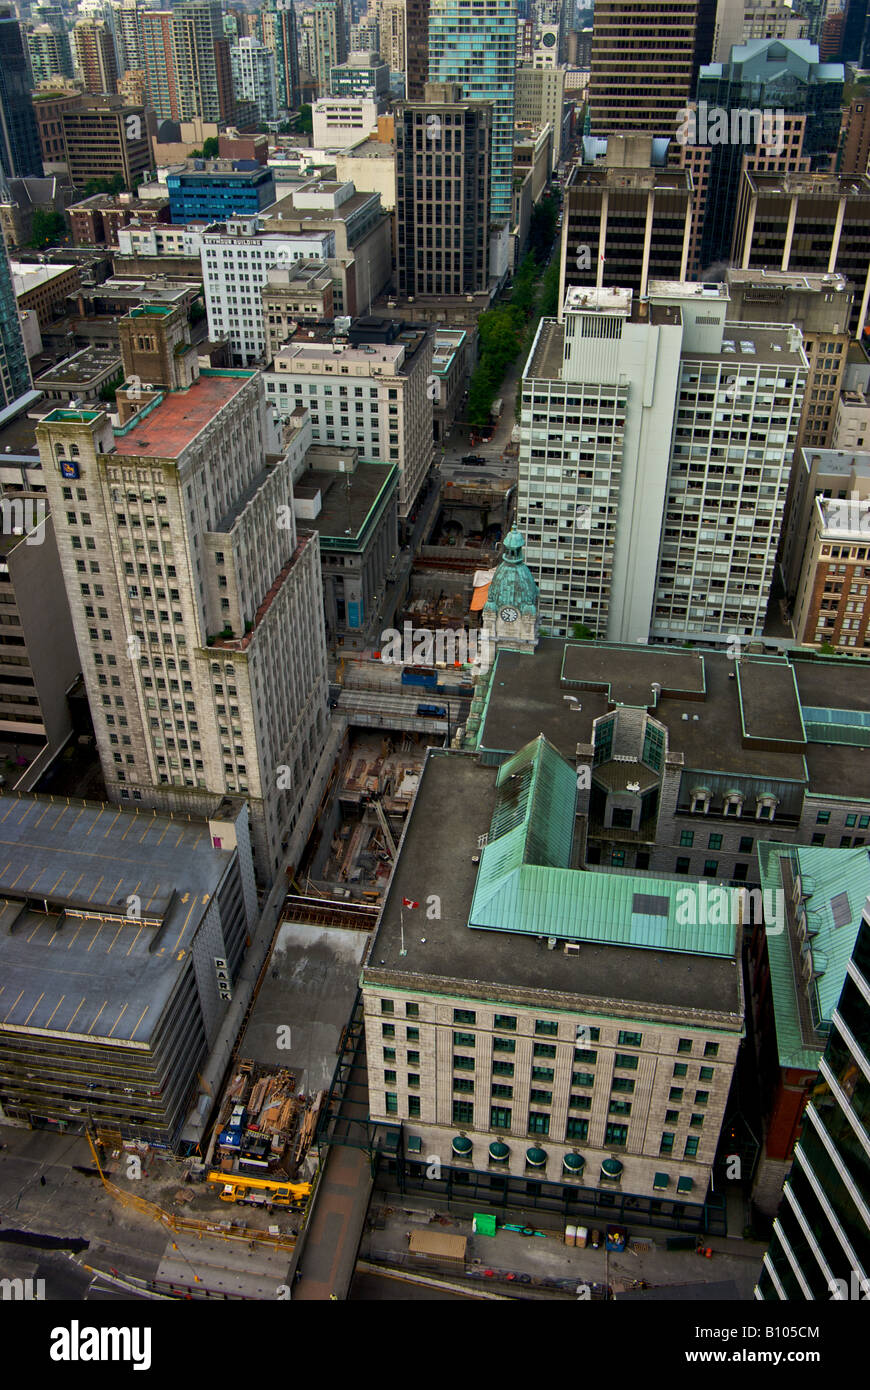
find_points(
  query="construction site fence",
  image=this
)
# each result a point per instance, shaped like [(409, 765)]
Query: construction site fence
[(189, 1225)]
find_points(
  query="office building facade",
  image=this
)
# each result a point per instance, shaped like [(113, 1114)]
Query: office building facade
[(20, 154), (821, 1236), (442, 193), (645, 58), (816, 223), (625, 223), (197, 690), (236, 260), (765, 75), (254, 76), (475, 46), (370, 393)]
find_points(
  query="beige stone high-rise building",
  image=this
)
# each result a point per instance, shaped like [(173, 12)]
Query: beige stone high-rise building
[(392, 33), (96, 58), (590, 1048), (196, 604), (373, 392)]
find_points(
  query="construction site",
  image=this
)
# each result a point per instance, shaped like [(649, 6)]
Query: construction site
[(260, 1148), (375, 785)]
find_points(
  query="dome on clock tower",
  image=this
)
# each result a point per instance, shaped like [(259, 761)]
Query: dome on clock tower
[(512, 585)]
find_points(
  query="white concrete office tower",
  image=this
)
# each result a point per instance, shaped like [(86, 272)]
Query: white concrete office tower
[(254, 76), (737, 413), (195, 602), (339, 122), (656, 444), (373, 395), (236, 257), (597, 409)]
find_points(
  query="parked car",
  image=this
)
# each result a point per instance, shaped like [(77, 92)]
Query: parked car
[(473, 458)]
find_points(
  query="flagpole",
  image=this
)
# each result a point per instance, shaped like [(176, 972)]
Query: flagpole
[(403, 952)]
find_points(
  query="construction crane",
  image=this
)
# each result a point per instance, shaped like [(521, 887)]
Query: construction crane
[(236, 1187), (175, 1222)]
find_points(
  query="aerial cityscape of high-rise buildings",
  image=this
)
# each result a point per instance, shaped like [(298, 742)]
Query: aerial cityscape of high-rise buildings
[(435, 653)]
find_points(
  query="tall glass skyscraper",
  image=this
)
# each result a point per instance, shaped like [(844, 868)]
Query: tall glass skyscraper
[(473, 42), (15, 377), (820, 1247), (20, 151)]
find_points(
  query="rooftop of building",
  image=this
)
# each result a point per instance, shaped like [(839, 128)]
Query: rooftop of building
[(284, 211), (154, 290), (842, 521), (607, 300), (789, 279), (838, 463), (688, 289), (26, 277), (453, 810), (296, 355), (228, 229), (101, 202), (300, 275), (391, 342), (706, 721), (204, 171), (777, 51), (635, 180), (370, 149), (165, 429), (750, 343), (823, 185), (18, 431), (89, 968), (83, 367), (349, 499)]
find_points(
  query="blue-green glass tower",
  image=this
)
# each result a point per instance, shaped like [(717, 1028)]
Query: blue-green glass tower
[(15, 377), (473, 42)]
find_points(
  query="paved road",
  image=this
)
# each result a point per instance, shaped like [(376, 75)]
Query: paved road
[(392, 1288)]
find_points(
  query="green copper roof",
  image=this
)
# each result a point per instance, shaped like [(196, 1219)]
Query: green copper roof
[(512, 585), (835, 884), (524, 883)]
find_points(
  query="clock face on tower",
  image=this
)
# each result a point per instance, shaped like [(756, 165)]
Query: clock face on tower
[(508, 615)]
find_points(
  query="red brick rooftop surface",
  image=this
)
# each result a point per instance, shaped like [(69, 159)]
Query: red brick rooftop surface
[(180, 417)]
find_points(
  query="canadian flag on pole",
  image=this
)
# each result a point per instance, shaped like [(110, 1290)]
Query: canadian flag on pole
[(409, 902)]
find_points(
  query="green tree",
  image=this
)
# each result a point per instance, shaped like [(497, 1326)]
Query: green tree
[(48, 228), (108, 389), (582, 632), (305, 125), (211, 147), (113, 185)]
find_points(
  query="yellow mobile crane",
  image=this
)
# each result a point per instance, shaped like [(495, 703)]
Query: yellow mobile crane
[(237, 1187)]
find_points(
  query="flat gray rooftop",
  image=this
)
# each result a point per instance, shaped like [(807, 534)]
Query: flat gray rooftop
[(94, 973), (309, 987), (768, 701), (546, 362), (629, 672), (343, 507), (528, 697), (453, 808)]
